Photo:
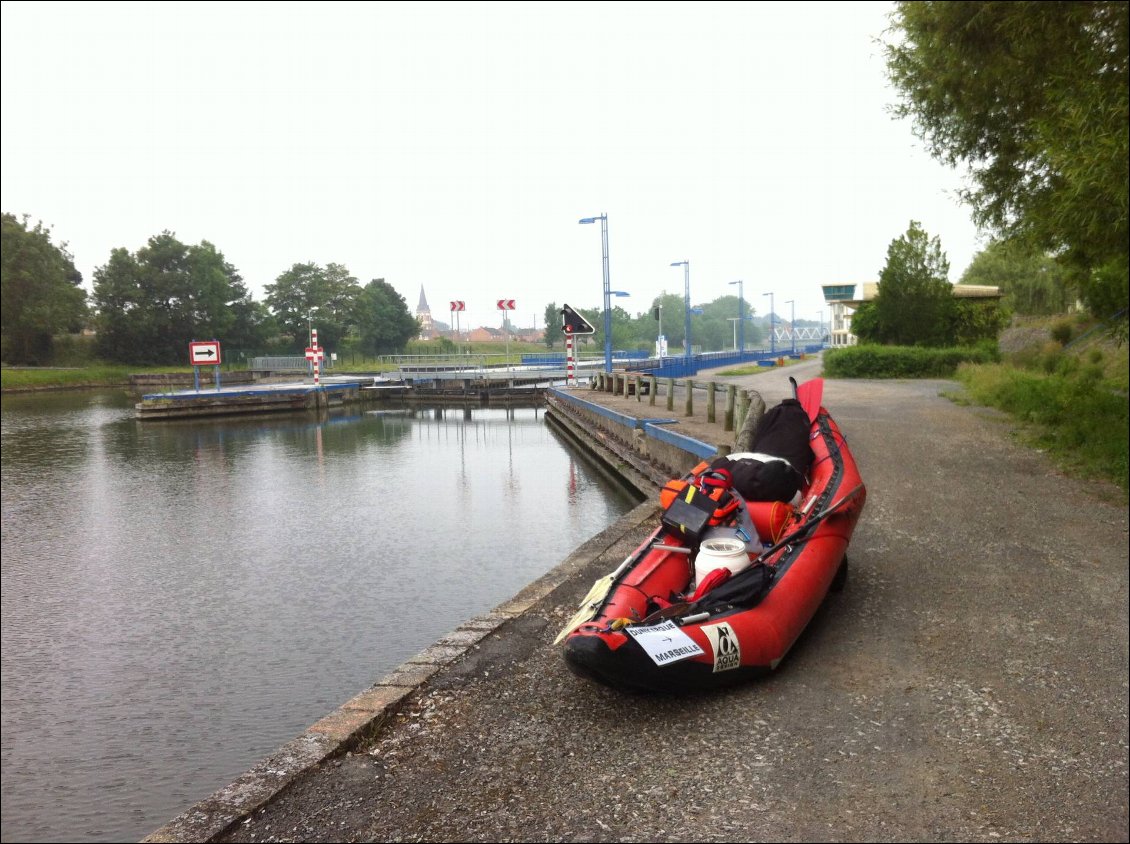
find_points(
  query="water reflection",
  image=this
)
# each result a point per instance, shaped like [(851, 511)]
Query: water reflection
[(179, 599)]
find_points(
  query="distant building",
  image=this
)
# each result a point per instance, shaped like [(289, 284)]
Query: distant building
[(424, 315), (483, 333), (845, 299)]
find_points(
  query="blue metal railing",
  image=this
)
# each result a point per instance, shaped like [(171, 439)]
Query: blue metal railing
[(679, 367), (558, 358)]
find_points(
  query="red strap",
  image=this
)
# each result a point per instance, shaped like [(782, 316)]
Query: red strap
[(718, 478), (710, 581)]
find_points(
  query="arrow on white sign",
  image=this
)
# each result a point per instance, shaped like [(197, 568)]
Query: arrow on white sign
[(203, 353)]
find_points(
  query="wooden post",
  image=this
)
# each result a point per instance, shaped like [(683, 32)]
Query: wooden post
[(743, 409), (653, 388), (688, 407), (710, 401), (731, 398), (670, 393)]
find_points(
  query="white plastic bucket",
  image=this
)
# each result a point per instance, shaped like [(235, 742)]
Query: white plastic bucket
[(717, 552)]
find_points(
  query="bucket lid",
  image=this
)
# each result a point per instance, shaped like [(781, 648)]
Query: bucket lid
[(722, 545)]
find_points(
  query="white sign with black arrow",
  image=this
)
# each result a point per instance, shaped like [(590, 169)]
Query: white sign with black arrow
[(204, 354), (665, 643)]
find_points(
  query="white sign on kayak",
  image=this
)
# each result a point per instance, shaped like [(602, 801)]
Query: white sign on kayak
[(665, 643)]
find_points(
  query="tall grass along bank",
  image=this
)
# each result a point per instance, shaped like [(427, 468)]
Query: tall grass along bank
[(1079, 416)]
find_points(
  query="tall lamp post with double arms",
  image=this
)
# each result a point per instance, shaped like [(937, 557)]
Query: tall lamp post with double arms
[(607, 289), (686, 265), (741, 317), (772, 325)]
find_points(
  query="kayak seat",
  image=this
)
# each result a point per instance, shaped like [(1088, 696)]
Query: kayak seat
[(770, 518)]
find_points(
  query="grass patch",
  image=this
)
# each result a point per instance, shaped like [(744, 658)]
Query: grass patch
[(86, 376), (55, 378), (746, 370), (1071, 409), (757, 370)]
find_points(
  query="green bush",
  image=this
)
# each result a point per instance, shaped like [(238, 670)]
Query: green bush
[(1062, 331), (875, 361)]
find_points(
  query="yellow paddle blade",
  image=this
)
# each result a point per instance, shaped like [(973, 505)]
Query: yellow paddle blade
[(589, 605)]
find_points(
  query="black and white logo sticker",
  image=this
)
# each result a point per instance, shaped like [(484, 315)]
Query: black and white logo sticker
[(727, 650)]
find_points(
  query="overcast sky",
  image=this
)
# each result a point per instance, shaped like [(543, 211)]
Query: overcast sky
[(454, 146)]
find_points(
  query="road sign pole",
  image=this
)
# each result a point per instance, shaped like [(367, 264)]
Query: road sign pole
[(196, 377)]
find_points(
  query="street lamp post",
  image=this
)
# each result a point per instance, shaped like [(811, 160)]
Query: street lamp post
[(772, 325), (735, 321), (741, 316), (686, 265), (792, 324), (607, 291)]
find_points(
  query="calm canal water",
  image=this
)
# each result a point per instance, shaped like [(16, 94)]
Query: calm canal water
[(180, 599)]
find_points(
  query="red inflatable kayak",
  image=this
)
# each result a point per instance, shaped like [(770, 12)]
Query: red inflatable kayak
[(653, 625)]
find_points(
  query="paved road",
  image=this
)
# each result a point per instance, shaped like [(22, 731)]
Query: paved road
[(970, 684)]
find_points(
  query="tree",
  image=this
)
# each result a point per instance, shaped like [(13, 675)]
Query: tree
[(40, 291), (671, 315), (1032, 96), (309, 296), (718, 326), (1030, 282), (915, 305), (383, 319), (153, 304), (552, 325)]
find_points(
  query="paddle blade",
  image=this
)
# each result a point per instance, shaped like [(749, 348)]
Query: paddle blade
[(810, 394), (589, 606)]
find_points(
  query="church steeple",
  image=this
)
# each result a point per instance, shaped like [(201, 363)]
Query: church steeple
[(424, 315)]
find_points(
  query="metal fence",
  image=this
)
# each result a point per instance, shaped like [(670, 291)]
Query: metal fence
[(286, 364)]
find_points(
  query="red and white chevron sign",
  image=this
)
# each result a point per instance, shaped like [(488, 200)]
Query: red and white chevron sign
[(458, 306), (506, 304)]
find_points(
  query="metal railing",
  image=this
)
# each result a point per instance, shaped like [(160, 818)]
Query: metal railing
[(280, 363)]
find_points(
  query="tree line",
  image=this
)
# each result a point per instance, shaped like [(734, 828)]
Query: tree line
[(147, 306), (712, 324)]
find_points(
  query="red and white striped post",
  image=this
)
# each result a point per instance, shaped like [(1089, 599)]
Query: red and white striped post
[(570, 375), (315, 355)]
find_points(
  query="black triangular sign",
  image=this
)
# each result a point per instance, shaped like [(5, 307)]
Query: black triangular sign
[(573, 323)]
